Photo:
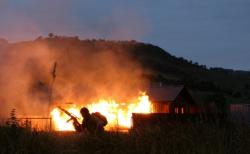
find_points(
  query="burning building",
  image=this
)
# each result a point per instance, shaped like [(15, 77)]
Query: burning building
[(150, 106), (172, 99), (170, 104), (167, 100)]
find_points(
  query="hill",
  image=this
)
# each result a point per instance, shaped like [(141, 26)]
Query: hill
[(156, 66)]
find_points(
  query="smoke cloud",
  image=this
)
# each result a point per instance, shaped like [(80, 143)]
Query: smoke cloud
[(86, 71)]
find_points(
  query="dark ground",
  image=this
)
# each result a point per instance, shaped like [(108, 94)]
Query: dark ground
[(207, 139)]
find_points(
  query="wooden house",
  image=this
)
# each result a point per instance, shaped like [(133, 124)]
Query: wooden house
[(172, 99), (171, 105)]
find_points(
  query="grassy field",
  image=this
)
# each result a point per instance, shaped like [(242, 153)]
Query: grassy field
[(205, 139)]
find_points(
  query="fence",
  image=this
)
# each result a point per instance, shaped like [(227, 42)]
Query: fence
[(37, 123)]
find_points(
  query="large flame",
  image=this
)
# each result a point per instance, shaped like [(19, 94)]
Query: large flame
[(118, 114)]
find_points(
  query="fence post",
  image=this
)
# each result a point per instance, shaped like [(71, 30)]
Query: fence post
[(50, 124)]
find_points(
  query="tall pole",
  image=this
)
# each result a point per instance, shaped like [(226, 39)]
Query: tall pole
[(53, 74)]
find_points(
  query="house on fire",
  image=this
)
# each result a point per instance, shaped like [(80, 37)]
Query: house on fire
[(171, 104), (172, 99)]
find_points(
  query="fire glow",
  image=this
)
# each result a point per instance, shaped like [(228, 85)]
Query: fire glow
[(118, 114)]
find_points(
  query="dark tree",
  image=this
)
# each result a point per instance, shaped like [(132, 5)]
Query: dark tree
[(51, 35)]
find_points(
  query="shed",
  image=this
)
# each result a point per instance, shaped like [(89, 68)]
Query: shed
[(172, 99)]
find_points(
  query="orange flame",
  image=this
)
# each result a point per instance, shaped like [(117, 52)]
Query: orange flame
[(118, 114)]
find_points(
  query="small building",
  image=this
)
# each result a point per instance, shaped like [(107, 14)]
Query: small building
[(171, 105), (172, 99)]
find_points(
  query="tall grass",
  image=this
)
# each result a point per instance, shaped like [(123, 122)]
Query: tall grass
[(174, 139)]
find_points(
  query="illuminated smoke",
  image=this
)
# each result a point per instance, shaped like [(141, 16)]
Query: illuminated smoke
[(86, 71)]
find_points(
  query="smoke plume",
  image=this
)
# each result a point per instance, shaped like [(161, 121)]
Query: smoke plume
[(85, 71)]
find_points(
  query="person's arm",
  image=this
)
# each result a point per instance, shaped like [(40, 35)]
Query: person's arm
[(78, 127)]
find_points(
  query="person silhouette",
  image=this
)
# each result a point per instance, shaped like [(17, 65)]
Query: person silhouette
[(93, 123)]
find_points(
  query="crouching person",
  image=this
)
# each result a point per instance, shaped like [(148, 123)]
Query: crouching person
[(94, 123)]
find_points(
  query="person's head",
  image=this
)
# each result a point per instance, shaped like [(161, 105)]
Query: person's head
[(84, 112)]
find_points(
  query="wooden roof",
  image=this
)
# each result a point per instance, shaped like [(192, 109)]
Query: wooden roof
[(164, 93)]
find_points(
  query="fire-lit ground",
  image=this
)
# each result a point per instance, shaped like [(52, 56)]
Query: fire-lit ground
[(118, 114)]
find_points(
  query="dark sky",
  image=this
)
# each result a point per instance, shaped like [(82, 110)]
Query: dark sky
[(211, 32)]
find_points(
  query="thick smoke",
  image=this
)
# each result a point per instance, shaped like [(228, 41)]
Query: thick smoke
[(86, 71)]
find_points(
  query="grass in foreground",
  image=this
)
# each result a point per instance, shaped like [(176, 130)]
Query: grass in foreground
[(206, 139)]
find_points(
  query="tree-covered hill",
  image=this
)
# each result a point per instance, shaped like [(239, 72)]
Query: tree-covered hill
[(157, 64)]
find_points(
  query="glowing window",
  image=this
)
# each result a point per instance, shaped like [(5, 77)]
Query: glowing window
[(182, 110), (176, 110)]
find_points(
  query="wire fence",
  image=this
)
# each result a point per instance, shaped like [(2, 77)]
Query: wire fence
[(37, 123)]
